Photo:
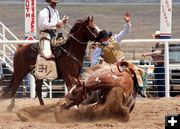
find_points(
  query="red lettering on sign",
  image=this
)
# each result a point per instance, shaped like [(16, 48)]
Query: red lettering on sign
[(27, 8), (28, 15), (32, 16), (165, 16), (168, 5)]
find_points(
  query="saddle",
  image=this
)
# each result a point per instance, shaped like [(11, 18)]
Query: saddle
[(45, 69), (57, 40), (139, 75), (56, 50)]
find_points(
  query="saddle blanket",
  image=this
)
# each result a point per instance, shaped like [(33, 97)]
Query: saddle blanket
[(45, 69)]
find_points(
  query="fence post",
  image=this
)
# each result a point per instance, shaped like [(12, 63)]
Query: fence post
[(32, 85), (50, 89), (166, 62)]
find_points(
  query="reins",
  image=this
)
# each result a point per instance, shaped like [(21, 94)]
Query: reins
[(75, 37), (69, 53)]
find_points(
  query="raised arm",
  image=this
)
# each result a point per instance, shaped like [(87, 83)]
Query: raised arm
[(127, 28)]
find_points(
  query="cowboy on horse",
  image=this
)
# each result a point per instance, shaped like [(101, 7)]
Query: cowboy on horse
[(48, 23), (68, 60)]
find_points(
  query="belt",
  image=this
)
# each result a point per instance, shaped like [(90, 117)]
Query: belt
[(48, 31)]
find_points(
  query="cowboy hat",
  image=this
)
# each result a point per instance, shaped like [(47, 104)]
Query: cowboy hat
[(156, 34), (103, 34), (55, 1)]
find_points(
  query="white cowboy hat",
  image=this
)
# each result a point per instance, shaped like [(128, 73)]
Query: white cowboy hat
[(157, 33)]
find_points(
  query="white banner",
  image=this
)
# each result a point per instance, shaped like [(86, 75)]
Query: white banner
[(30, 19), (166, 18)]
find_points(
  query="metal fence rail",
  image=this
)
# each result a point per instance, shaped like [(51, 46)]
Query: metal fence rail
[(168, 81)]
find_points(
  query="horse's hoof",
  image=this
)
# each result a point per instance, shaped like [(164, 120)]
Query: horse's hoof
[(10, 108)]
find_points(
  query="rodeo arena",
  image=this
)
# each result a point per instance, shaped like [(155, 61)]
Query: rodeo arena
[(131, 92)]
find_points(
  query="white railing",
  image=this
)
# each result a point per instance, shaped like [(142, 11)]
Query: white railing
[(32, 81), (166, 56), (8, 42), (4, 30), (49, 86), (7, 49), (140, 41)]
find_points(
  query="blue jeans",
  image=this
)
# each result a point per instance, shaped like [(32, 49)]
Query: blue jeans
[(159, 74)]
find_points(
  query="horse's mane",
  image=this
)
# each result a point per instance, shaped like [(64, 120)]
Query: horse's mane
[(75, 26), (77, 23), (73, 29)]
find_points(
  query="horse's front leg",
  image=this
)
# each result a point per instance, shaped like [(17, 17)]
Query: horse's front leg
[(38, 91)]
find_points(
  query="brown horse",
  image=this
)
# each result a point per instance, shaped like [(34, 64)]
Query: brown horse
[(69, 61), (105, 77)]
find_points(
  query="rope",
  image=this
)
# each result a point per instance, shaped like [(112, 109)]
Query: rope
[(73, 36)]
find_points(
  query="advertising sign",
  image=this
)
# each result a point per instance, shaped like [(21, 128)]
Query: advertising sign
[(165, 18), (30, 18)]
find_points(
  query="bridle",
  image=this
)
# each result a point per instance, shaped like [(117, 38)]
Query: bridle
[(75, 37), (69, 53)]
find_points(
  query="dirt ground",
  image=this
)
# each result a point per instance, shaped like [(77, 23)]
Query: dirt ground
[(147, 114)]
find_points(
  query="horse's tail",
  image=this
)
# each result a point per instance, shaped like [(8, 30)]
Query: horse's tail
[(6, 91)]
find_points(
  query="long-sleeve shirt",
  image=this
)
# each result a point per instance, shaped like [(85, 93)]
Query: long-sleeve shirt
[(96, 55), (43, 18), (127, 29), (157, 55)]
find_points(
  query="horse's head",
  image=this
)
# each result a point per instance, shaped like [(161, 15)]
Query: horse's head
[(85, 30), (92, 29)]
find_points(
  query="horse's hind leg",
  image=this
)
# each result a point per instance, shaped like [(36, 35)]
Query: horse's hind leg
[(13, 87), (16, 83), (12, 105), (38, 91)]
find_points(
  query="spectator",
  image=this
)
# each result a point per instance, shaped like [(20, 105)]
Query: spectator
[(158, 60)]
